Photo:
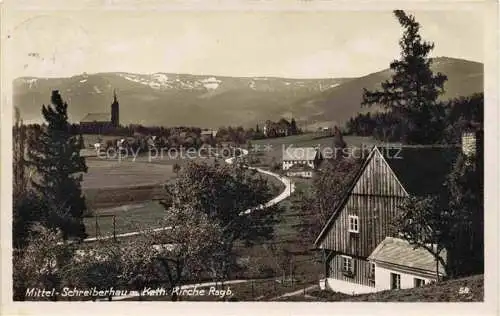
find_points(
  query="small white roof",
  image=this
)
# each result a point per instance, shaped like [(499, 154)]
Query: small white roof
[(399, 252), (300, 153)]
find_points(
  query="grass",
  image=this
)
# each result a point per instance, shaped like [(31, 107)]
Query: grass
[(302, 183), (98, 198), (133, 207), (128, 218), (118, 174), (447, 291), (264, 262)]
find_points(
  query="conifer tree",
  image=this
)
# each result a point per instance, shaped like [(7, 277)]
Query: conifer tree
[(412, 93), (55, 155), (23, 202), (338, 143), (293, 127)]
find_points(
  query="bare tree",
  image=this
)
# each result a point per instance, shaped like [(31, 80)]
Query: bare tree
[(184, 250), (43, 263)]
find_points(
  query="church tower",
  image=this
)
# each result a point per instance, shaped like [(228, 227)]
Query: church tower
[(115, 111)]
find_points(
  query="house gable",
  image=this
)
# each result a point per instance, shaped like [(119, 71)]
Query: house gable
[(378, 178), (373, 199)]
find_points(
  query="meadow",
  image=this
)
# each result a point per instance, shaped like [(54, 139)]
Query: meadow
[(129, 189)]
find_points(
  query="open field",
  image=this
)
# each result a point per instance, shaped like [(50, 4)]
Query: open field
[(134, 208), (113, 182), (104, 173), (131, 217), (111, 197), (132, 205)]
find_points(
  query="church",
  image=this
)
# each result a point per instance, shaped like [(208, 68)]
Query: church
[(96, 122)]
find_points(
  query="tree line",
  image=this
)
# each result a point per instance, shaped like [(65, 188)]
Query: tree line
[(454, 116)]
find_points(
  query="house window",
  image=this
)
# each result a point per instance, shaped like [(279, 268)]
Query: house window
[(372, 270), (347, 265), (353, 224), (395, 281), (418, 282)]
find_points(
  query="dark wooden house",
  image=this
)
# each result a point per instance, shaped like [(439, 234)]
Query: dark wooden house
[(364, 217)]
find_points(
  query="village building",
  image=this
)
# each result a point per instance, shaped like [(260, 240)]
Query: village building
[(300, 170), (97, 122), (301, 161), (395, 264), (209, 133), (275, 129), (354, 241)]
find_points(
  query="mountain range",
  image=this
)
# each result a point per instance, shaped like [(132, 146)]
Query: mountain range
[(212, 101)]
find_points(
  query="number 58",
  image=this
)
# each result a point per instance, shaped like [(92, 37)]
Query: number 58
[(464, 290)]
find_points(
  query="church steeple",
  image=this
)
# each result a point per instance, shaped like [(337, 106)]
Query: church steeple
[(115, 111)]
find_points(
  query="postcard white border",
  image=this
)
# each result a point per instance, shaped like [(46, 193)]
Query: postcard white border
[(491, 50)]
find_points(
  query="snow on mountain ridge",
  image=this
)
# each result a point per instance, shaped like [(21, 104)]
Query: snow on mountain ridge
[(160, 81)]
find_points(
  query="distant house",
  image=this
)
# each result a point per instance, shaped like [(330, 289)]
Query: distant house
[(276, 129), (209, 133), (363, 219), (301, 161), (151, 141), (395, 264), (96, 122), (300, 170)]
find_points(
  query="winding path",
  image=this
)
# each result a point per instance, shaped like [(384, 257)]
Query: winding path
[(289, 189)]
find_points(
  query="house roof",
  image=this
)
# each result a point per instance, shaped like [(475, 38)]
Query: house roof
[(209, 132), (344, 199), (96, 117), (300, 153), (420, 169), (399, 252), (300, 167)]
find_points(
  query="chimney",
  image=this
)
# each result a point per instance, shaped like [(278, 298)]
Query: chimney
[(469, 143), (472, 142)]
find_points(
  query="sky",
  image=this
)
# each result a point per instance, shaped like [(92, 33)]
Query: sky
[(309, 44)]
